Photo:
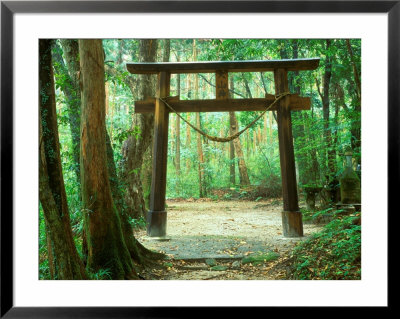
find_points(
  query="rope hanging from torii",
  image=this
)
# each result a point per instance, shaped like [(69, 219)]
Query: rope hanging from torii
[(234, 136)]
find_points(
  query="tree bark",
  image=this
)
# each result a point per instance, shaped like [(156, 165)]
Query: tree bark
[(355, 71), (51, 182), (232, 163), (303, 159), (188, 128), (243, 175), (265, 129), (106, 245), (138, 252), (247, 87), (136, 146), (70, 88), (202, 186), (167, 50), (355, 127), (232, 177), (188, 141), (49, 251), (178, 136), (326, 113)]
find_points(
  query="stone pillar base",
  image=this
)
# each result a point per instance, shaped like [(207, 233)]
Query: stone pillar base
[(156, 223), (292, 224)]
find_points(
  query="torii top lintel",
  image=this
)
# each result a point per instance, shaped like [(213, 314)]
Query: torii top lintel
[(228, 66)]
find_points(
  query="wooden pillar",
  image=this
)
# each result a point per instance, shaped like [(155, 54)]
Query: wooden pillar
[(291, 216), (157, 216)]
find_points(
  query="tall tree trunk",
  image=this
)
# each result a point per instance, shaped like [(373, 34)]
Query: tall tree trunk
[(248, 141), (178, 133), (254, 140), (202, 191), (243, 175), (121, 43), (232, 163), (188, 129), (313, 166), (107, 87), (167, 50), (232, 177), (51, 182), (355, 125), (178, 127), (355, 70), (202, 186), (302, 158), (171, 142), (138, 252), (326, 110), (265, 128), (247, 86), (71, 90), (50, 255), (271, 134), (188, 140), (326, 113), (106, 245), (135, 147)]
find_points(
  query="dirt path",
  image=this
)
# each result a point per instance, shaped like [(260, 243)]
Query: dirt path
[(209, 239)]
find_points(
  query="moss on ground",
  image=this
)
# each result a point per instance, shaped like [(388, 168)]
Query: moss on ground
[(261, 258)]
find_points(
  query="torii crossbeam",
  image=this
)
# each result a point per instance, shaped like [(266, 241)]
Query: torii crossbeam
[(157, 215)]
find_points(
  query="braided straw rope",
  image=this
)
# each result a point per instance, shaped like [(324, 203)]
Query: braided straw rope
[(234, 136)]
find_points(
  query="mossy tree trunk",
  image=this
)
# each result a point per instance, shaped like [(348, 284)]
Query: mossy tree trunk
[(136, 145), (51, 182), (107, 249), (138, 252), (68, 73)]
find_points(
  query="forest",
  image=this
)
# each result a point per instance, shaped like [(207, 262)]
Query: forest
[(96, 163)]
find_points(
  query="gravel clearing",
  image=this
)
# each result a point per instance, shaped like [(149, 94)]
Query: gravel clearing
[(200, 229)]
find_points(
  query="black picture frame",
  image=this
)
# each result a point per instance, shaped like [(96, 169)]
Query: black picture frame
[(9, 8)]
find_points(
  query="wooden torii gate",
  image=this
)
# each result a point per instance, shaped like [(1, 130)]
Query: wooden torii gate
[(157, 215)]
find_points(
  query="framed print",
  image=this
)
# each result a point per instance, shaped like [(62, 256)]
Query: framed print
[(231, 38)]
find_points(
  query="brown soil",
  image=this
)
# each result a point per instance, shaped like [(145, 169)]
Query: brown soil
[(222, 232)]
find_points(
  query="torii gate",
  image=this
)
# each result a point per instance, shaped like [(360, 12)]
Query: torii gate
[(157, 215)]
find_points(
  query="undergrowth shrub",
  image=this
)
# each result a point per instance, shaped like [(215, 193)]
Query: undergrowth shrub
[(334, 253), (270, 187)]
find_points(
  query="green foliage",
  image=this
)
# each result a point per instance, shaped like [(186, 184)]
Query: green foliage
[(44, 270), (328, 213), (334, 253), (121, 135), (137, 223), (101, 274)]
